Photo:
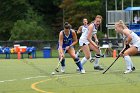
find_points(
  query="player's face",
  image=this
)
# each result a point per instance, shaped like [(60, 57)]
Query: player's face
[(98, 21), (117, 28), (85, 21)]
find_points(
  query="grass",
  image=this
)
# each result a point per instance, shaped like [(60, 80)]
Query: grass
[(34, 76)]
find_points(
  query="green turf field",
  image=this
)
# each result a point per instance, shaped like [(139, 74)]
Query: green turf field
[(33, 76)]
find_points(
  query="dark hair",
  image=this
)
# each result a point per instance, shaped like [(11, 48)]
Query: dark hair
[(66, 25)]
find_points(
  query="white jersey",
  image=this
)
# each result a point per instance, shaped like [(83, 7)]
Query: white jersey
[(84, 33), (135, 37), (94, 29), (83, 39), (135, 40)]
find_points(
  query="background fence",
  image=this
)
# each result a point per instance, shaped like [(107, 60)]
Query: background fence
[(40, 45)]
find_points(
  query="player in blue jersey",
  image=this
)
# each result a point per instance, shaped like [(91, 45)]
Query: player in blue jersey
[(67, 39)]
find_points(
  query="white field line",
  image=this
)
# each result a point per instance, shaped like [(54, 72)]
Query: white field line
[(2, 81), (34, 77), (8, 80), (28, 78)]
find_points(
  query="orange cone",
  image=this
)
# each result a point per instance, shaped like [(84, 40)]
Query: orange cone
[(30, 57), (114, 53), (19, 55)]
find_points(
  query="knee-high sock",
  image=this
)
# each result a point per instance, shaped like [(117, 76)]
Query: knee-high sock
[(132, 65), (96, 63), (128, 62), (90, 57), (78, 63), (63, 63), (83, 61)]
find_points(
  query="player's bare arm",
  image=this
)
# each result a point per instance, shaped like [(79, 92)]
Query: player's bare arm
[(89, 36), (75, 40), (128, 35), (79, 30), (61, 43)]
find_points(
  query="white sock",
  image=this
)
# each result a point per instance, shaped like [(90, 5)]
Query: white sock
[(128, 62), (90, 57), (132, 65), (63, 67), (97, 58), (83, 61), (96, 63)]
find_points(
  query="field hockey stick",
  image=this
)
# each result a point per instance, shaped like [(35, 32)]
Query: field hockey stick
[(127, 46), (111, 64), (78, 52), (56, 69), (101, 55)]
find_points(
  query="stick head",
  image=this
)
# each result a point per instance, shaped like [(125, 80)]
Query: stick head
[(56, 70), (104, 72), (53, 73)]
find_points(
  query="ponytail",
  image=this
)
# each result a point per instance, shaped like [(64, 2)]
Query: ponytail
[(121, 23)]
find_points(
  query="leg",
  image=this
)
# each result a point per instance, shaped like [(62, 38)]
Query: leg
[(86, 52), (71, 52), (62, 63), (129, 64), (96, 63)]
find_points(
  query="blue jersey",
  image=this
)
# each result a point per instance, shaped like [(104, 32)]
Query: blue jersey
[(67, 40)]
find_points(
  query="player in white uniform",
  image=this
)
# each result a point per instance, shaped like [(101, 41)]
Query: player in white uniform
[(84, 30), (86, 45), (93, 45), (131, 39)]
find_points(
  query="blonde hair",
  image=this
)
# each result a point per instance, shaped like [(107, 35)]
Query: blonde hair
[(99, 16), (121, 23)]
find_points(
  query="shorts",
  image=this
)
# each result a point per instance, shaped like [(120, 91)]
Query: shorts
[(137, 45), (83, 42)]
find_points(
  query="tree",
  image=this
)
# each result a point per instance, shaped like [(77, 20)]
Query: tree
[(10, 12), (24, 30), (30, 28), (52, 15)]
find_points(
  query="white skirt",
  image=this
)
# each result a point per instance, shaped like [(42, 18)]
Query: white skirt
[(83, 41), (137, 44)]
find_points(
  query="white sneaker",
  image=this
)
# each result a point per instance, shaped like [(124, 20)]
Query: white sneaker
[(63, 69), (83, 71), (127, 71)]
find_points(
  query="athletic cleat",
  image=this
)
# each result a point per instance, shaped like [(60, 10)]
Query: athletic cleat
[(63, 70), (133, 68), (127, 71), (98, 68), (83, 71), (92, 60)]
